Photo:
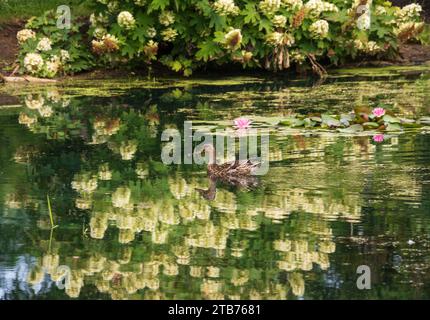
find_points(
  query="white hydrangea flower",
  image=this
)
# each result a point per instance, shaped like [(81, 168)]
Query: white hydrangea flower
[(270, 6), (140, 3), (99, 19), (225, 7), (279, 38), (24, 35), (410, 11), (319, 29), (380, 10), (33, 62), (293, 4), (279, 21), (167, 18), (126, 20), (65, 55), (44, 44), (113, 6), (233, 39), (99, 33), (169, 34), (316, 7), (151, 32)]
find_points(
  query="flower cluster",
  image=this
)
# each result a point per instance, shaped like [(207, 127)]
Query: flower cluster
[(369, 47), (44, 44), (270, 6), (225, 7), (280, 38), (169, 35), (279, 21), (233, 39), (293, 4), (24, 35), (316, 7), (411, 11), (107, 44), (167, 18), (319, 29), (255, 33), (126, 20)]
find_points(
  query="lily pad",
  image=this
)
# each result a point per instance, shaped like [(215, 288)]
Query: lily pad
[(390, 119), (292, 122), (371, 125), (394, 127), (329, 121), (352, 129)]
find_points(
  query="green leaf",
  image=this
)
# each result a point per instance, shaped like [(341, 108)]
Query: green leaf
[(329, 121), (355, 128), (390, 119), (207, 50)]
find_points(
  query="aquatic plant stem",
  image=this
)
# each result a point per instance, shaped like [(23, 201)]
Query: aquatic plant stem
[(50, 213)]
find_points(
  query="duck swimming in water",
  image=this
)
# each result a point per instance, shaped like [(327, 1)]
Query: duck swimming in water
[(238, 173), (229, 171)]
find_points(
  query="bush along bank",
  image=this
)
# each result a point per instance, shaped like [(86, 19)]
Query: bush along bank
[(188, 34)]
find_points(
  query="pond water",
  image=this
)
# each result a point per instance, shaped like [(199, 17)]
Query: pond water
[(129, 227)]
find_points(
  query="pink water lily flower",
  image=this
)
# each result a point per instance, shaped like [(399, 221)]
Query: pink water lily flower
[(242, 123), (378, 112), (378, 138)]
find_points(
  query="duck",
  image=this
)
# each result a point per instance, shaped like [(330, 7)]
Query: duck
[(233, 171)]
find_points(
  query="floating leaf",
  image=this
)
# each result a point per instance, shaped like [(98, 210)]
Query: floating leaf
[(390, 119), (352, 129), (371, 125), (394, 127), (329, 121)]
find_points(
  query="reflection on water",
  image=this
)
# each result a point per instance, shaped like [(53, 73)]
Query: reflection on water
[(132, 228)]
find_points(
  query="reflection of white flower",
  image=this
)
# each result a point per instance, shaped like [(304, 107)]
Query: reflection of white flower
[(33, 62), (44, 44), (121, 197), (128, 149), (126, 20), (24, 35), (34, 102), (319, 29), (46, 111)]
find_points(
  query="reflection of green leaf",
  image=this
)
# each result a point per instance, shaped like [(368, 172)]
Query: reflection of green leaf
[(352, 129), (425, 120)]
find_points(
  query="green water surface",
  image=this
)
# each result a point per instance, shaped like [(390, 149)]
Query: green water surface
[(130, 227)]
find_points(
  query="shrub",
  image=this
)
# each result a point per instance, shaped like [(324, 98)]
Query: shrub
[(271, 34)]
